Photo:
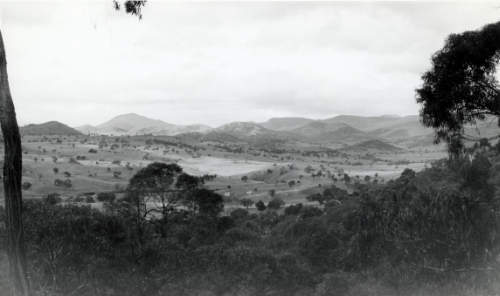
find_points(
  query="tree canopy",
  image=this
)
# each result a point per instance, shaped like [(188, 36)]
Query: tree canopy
[(131, 7), (156, 177), (461, 88)]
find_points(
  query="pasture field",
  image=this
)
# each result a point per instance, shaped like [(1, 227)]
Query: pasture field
[(90, 165)]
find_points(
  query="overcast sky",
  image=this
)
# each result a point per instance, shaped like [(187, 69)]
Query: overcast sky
[(212, 63)]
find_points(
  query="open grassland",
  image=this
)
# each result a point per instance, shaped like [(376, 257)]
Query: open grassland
[(74, 166)]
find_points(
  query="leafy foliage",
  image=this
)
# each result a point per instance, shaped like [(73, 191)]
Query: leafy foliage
[(461, 86), (428, 225), (131, 7), (430, 228), (275, 203)]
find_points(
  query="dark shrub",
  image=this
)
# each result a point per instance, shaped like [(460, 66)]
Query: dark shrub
[(106, 196)]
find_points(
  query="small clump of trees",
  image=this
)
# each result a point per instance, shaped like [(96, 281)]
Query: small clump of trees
[(246, 202), (275, 204), (106, 196), (63, 183)]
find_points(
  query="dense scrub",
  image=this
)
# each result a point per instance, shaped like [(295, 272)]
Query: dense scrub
[(428, 233)]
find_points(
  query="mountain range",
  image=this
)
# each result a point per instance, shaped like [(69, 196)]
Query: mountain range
[(342, 130)]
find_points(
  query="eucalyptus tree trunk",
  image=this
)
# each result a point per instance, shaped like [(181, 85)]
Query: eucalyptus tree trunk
[(12, 173)]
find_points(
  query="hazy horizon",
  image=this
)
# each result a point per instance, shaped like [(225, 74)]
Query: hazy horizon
[(213, 126), (218, 62)]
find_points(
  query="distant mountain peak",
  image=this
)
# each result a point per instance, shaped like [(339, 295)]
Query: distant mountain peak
[(285, 123), (244, 128), (49, 128), (134, 117), (130, 114), (346, 129), (136, 124)]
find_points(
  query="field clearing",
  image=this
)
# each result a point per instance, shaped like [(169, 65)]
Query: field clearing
[(97, 164), (390, 171), (221, 166), (201, 165)]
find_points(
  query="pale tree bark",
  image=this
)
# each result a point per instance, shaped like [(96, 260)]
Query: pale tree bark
[(12, 173)]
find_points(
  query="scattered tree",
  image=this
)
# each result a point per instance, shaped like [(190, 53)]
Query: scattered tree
[(246, 202), (106, 196), (275, 203), (260, 205)]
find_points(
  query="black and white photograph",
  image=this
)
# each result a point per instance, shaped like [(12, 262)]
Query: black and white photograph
[(249, 148)]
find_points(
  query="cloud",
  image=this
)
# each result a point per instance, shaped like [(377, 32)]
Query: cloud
[(212, 63)]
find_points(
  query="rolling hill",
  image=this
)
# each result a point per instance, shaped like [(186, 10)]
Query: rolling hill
[(387, 126), (372, 146), (351, 128), (369, 122), (243, 129), (221, 137), (346, 134), (135, 124), (326, 132), (405, 131), (254, 134), (316, 128), (49, 128), (285, 123), (346, 129)]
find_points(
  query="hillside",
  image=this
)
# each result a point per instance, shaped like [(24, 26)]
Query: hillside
[(49, 128), (405, 131), (351, 129), (285, 123), (316, 128), (372, 146), (135, 124), (243, 129), (366, 123), (221, 137), (345, 134), (389, 128), (325, 132), (339, 129)]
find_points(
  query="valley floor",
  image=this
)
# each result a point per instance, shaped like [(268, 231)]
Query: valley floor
[(105, 164)]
